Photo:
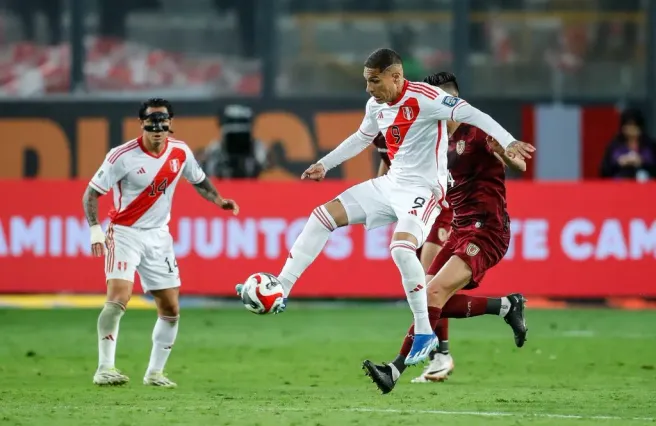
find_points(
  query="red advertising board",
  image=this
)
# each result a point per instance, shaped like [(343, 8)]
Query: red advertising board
[(569, 240)]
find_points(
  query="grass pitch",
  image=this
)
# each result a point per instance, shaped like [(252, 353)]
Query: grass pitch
[(579, 367)]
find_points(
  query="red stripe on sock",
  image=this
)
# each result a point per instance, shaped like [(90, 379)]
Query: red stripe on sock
[(325, 222), (169, 319), (405, 246)]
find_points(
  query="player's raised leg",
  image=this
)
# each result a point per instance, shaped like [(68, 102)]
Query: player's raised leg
[(118, 295), (164, 335), (359, 204), (322, 222), (311, 241)]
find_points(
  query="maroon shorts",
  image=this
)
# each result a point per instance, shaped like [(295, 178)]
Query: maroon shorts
[(441, 228), (479, 248)]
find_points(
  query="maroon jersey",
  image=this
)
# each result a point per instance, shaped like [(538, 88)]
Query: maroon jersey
[(381, 146), (477, 192)]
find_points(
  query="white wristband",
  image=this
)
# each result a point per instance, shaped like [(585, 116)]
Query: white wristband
[(97, 234)]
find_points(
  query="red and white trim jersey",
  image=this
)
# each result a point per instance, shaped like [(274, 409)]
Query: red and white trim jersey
[(143, 183), (415, 131)]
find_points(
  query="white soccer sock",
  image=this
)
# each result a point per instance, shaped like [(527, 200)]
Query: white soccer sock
[(505, 307), (164, 333), (108, 322), (404, 254), (307, 246), (395, 372)]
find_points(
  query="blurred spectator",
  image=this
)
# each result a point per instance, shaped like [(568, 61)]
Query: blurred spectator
[(236, 154), (632, 154), (27, 13)]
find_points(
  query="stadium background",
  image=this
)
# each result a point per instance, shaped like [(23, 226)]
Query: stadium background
[(556, 73)]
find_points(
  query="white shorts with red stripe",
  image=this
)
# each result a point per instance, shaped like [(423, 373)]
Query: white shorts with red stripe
[(381, 201), (148, 252)]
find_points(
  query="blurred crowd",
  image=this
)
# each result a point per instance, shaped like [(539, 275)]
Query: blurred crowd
[(218, 45), (631, 154)]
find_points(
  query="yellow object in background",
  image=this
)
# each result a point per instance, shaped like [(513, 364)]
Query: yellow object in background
[(44, 301)]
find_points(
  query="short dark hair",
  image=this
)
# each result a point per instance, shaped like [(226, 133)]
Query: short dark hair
[(443, 79), (381, 59), (155, 103)]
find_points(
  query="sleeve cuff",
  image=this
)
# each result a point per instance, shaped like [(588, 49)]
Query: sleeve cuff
[(98, 188), (199, 180)]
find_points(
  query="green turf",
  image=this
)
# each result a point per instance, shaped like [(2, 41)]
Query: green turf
[(303, 368)]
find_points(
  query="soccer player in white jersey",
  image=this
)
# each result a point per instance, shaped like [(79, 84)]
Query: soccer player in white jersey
[(413, 118), (143, 174)]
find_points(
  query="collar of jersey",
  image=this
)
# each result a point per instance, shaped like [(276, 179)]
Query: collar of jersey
[(143, 147), (401, 95)]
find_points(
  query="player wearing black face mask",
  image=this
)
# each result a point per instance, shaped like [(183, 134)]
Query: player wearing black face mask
[(155, 116)]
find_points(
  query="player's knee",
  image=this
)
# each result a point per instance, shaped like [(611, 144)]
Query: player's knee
[(408, 229), (403, 251), (171, 312), (167, 302), (168, 309), (119, 291), (335, 214)]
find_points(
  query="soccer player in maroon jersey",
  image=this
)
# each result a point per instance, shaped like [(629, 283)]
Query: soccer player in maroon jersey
[(479, 238)]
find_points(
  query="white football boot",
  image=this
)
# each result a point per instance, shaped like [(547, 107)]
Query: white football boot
[(109, 377), (157, 378), (437, 370)]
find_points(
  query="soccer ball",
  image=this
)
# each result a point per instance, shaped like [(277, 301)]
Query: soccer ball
[(262, 293)]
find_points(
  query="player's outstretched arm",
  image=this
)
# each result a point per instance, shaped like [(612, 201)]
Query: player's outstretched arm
[(90, 205), (456, 109), (352, 146), (207, 190), (515, 163)]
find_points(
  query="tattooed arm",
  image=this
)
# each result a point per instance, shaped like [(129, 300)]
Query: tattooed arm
[(207, 190), (90, 205)]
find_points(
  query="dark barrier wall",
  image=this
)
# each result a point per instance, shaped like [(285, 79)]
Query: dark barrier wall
[(48, 139), (68, 139)]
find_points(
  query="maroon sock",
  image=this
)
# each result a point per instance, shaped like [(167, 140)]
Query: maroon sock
[(442, 329), (407, 341), (434, 315), (463, 306)]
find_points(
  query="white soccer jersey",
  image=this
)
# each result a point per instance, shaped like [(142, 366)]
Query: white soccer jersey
[(415, 131), (143, 184), (417, 140)]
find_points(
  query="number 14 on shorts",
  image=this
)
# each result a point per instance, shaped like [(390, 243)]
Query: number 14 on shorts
[(171, 265)]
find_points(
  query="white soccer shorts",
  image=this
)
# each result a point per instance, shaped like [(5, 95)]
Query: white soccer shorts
[(149, 252), (381, 201)]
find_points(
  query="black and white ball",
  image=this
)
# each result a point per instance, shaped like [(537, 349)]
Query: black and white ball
[(262, 293)]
